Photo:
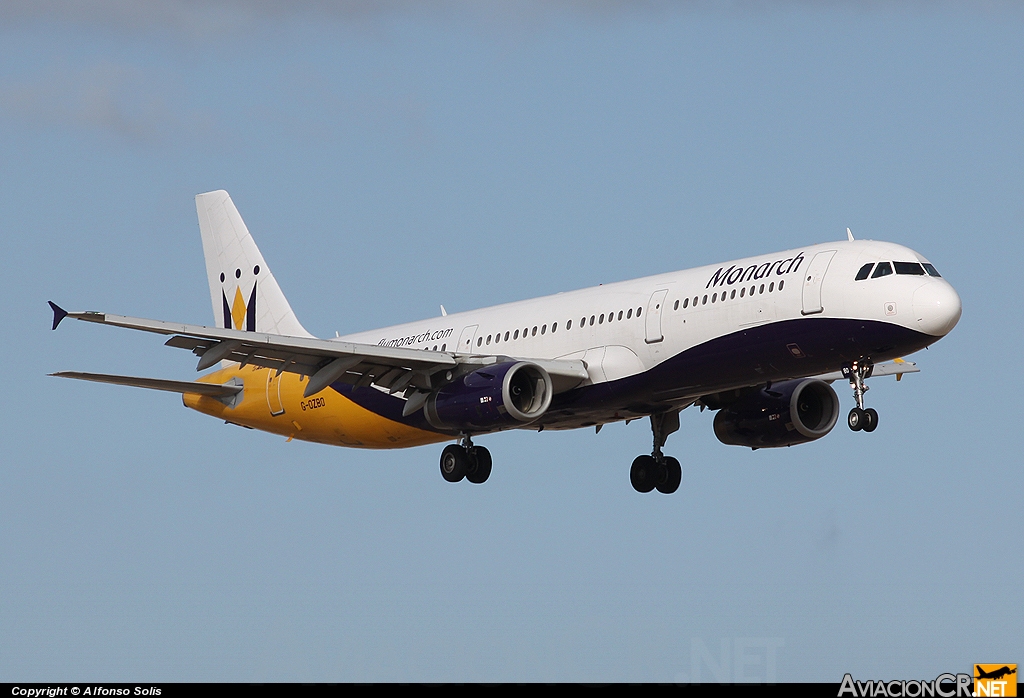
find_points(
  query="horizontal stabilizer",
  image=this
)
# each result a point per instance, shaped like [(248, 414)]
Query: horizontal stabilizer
[(209, 389)]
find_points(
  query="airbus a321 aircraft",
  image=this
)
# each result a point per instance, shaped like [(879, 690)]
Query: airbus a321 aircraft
[(759, 340)]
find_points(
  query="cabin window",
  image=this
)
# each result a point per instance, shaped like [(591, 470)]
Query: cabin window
[(568, 325), (620, 315), (686, 302), (554, 326), (780, 284), (743, 291), (704, 301), (675, 306), (761, 290), (771, 287), (909, 268), (534, 333), (443, 347), (479, 341), (883, 269), (638, 311), (600, 320), (864, 271), (714, 297), (592, 318), (506, 336), (515, 335), (732, 295), (629, 313), (488, 339), (931, 270)]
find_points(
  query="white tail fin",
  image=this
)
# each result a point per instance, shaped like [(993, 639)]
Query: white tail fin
[(244, 293)]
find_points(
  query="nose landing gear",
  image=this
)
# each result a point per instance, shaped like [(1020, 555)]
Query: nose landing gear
[(861, 419), (658, 471), (464, 460)]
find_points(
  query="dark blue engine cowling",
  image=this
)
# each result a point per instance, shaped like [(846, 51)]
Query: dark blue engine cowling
[(793, 412), (507, 394)]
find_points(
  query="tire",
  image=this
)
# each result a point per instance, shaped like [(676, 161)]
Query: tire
[(454, 463), (673, 476), (644, 474), (871, 419), (480, 465), (856, 419)]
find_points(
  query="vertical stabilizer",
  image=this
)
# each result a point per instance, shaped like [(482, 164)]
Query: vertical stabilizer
[(244, 293)]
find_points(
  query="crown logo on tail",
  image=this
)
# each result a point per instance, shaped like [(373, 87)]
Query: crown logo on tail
[(238, 314)]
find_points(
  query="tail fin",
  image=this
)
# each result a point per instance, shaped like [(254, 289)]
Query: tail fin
[(244, 293)]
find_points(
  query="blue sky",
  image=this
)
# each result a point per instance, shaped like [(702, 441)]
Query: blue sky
[(392, 157)]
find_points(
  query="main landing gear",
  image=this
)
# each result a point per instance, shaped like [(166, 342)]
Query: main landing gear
[(861, 419), (464, 460), (658, 471)]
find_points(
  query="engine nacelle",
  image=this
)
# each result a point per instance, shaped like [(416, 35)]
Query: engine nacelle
[(508, 394), (793, 412)]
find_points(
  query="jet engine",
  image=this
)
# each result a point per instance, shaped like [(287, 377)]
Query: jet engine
[(792, 412), (507, 394)]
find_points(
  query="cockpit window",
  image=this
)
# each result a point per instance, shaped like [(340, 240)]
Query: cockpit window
[(864, 271), (909, 268), (931, 270), (883, 269)]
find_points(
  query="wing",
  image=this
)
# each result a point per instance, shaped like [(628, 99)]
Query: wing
[(896, 367), (398, 370)]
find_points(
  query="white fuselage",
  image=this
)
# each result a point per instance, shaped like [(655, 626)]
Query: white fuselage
[(630, 327)]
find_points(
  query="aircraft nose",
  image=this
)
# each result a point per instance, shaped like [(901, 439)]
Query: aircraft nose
[(937, 308)]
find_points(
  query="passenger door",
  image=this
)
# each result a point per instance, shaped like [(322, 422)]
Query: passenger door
[(274, 392), (466, 340), (655, 308), (813, 277)]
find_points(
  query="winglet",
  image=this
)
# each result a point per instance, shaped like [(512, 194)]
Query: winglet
[(58, 314)]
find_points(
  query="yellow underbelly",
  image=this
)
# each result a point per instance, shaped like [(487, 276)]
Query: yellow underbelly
[(275, 404)]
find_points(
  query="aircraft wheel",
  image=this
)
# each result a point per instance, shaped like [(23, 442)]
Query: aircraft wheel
[(856, 419), (454, 463), (673, 476), (871, 419), (644, 474), (480, 467)]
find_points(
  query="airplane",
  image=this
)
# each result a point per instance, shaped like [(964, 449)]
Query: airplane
[(996, 674), (758, 340)]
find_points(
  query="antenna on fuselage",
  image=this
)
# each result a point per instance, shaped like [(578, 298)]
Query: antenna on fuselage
[(849, 234), (444, 313)]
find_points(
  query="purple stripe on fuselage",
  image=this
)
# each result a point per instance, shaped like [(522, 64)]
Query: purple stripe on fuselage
[(745, 358)]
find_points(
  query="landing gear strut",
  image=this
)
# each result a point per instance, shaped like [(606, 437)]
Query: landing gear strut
[(658, 470), (861, 419), (464, 460)]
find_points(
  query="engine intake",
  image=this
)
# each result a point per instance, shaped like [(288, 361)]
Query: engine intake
[(792, 412), (508, 394)]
